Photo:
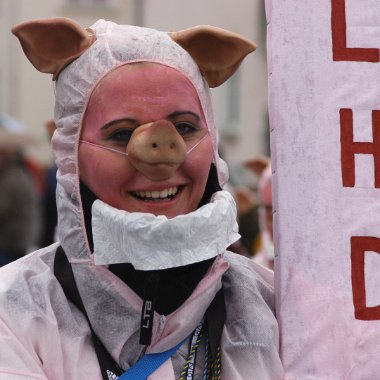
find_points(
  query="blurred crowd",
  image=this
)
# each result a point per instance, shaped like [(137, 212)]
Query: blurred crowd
[(254, 210), (28, 214), (27, 197)]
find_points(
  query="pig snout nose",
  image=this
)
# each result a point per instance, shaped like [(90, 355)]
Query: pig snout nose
[(156, 150)]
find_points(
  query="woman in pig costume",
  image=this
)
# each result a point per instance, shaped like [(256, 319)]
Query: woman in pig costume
[(140, 284)]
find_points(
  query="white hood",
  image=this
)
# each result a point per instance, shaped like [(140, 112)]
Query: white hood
[(115, 45)]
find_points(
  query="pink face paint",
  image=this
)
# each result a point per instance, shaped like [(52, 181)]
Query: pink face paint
[(131, 96)]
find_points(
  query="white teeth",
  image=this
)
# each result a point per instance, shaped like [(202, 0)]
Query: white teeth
[(157, 194)]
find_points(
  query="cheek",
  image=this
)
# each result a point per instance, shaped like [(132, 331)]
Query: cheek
[(95, 171), (199, 162), (88, 165)]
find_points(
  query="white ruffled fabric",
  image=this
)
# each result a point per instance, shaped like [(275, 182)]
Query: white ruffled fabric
[(152, 242)]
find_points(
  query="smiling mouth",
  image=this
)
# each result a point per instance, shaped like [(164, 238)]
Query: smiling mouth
[(156, 196)]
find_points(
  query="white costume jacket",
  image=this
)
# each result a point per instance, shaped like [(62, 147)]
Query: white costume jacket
[(43, 336)]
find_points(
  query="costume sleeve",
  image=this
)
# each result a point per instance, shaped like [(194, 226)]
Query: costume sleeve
[(250, 340), (16, 361)]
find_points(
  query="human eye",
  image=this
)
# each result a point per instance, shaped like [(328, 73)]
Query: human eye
[(121, 136), (118, 132), (185, 128)]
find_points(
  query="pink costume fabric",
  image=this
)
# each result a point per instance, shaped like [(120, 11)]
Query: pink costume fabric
[(43, 336), (324, 101)]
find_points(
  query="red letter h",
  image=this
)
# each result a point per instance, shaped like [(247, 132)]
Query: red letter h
[(349, 148)]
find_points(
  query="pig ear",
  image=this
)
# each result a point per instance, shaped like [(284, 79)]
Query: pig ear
[(51, 44), (217, 52)]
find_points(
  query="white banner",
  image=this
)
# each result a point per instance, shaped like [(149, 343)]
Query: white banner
[(324, 104)]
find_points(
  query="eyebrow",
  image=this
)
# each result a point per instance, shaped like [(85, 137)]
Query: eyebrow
[(174, 114), (113, 122), (135, 122)]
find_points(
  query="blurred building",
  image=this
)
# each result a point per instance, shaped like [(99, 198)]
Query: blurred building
[(241, 103)]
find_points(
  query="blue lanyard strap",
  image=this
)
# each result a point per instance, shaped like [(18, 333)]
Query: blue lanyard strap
[(149, 363)]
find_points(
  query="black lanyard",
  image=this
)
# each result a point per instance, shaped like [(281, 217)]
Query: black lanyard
[(65, 276), (215, 316)]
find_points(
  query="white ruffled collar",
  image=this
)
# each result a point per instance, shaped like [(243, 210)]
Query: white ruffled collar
[(152, 242)]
